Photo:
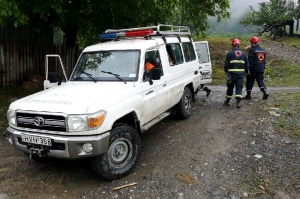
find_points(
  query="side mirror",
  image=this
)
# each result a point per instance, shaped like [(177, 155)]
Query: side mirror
[(53, 78), (156, 73), (48, 84)]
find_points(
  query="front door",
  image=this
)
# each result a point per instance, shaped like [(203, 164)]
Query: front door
[(52, 78), (153, 90)]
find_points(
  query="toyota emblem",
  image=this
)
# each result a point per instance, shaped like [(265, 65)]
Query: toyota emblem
[(38, 121)]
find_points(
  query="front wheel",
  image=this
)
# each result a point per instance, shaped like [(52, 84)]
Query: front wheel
[(122, 155), (184, 107)]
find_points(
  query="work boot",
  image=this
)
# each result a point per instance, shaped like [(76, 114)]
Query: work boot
[(266, 94), (248, 96), (207, 91), (226, 102), (238, 103)]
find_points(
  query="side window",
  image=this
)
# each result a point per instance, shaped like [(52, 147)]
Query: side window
[(189, 52), (175, 54), (202, 52), (152, 62)]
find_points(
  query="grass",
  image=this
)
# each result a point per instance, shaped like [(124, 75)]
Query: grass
[(279, 72), (293, 41), (282, 73), (289, 110)]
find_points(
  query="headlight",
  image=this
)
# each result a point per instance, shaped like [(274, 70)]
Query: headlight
[(85, 122), (11, 116), (77, 122)]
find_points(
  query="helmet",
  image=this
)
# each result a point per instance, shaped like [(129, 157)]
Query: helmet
[(254, 40), (235, 42)]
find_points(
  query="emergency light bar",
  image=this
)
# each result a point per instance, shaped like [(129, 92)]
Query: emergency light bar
[(146, 31)]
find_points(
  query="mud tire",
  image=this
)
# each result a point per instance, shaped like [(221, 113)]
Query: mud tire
[(184, 107), (123, 153)]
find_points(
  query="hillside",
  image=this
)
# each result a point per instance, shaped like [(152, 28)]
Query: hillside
[(282, 60)]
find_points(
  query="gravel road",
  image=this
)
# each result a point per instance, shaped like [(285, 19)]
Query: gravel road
[(219, 153)]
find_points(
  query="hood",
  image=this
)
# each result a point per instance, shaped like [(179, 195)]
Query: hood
[(70, 98)]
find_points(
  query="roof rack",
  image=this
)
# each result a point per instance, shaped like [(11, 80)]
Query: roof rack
[(160, 29), (147, 32)]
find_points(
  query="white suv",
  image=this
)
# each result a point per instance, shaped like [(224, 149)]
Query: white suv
[(117, 90)]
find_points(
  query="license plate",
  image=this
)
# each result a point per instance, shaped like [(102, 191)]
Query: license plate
[(36, 140)]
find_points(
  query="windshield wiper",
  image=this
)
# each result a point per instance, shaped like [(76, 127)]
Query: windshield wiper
[(89, 75), (116, 75)]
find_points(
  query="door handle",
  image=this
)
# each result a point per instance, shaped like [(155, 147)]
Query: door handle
[(149, 92), (164, 84)]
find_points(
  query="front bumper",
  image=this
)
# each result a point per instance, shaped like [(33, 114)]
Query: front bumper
[(67, 147)]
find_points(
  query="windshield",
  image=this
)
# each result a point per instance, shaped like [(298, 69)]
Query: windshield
[(116, 65)]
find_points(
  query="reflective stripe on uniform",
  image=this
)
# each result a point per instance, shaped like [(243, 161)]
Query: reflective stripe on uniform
[(237, 61), (236, 70), (259, 51), (229, 97), (238, 96)]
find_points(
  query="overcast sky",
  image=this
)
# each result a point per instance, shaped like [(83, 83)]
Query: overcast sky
[(239, 7)]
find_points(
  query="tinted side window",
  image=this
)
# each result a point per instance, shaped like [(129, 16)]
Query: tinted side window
[(175, 54), (152, 62), (202, 51), (189, 52)]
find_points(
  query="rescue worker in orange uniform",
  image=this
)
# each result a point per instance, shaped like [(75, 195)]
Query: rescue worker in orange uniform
[(236, 65), (147, 74), (257, 65), (148, 66)]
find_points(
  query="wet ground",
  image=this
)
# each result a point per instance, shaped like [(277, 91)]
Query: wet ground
[(210, 155)]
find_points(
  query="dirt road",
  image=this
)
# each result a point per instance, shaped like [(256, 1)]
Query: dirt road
[(220, 152)]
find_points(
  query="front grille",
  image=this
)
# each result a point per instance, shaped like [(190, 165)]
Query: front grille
[(50, 122)]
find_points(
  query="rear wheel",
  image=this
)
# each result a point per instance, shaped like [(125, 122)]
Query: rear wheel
[(184, 107), (122, 155)]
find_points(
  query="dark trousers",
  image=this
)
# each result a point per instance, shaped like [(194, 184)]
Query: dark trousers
[(259, 77), (237, 82)]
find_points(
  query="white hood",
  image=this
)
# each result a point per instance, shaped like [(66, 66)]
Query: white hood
[(71, 98)]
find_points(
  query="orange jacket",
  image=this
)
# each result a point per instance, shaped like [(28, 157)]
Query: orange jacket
[(149, 66)]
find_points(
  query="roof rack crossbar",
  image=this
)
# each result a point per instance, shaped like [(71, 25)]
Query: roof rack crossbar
[(159, 29)]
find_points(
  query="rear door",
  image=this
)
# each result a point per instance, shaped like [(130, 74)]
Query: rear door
[(202, 50)]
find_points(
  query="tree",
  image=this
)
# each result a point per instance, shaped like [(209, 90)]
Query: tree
[(83, 20), (297, 14), (272, 17)]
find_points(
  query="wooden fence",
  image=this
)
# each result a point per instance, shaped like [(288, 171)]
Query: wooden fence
[(19, 60)]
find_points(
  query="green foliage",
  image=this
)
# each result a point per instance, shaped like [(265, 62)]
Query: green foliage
[(9, 9), (89, 18), (58, 36), (271, 15)]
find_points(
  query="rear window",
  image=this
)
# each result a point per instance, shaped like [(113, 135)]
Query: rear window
[(189, 52)]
